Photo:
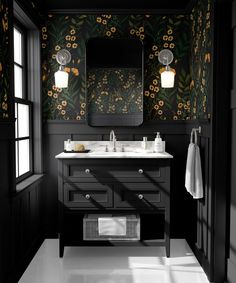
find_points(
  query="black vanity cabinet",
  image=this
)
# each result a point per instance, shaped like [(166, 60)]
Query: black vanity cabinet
[(118, 186)]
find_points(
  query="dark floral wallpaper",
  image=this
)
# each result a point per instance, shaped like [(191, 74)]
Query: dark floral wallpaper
[(114, 90), (156, 32), (4, 61), (188, 36), (201, 66)]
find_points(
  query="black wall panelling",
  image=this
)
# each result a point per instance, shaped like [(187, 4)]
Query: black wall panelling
[(5, 208), (26, 227), (21, 214), (231, 262)]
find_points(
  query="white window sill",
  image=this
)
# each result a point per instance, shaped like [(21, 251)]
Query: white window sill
[(28, 182)]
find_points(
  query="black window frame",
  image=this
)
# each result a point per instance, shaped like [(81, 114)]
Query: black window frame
[(24, 101)]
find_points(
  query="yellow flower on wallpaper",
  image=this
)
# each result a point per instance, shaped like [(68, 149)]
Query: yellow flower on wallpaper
[(75, 71), (132, 31), (161, 102), (59, 107), (5, 24), (74, 45), (180, 105), (207, 57), (156, 106), (108, 33), (170, 31), (154, 47), (64, 103), (141, 29), (67, 69), (4, 106), (72, 31), (113, 29), (44, 29), (191, 86)]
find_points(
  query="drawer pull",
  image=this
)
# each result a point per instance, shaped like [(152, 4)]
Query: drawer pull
[(87, 196), (140, 196), (87, 171), (140, 171)]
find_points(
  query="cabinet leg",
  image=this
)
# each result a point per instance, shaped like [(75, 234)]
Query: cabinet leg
[(61, 246), (168, 250)]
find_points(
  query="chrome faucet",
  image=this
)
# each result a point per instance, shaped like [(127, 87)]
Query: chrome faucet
[(113, 140)]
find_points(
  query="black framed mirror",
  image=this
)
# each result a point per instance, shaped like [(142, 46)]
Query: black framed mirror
[(114, 82)]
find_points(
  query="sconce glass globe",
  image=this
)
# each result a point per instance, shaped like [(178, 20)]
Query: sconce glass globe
[(61, 79), (167, 79)]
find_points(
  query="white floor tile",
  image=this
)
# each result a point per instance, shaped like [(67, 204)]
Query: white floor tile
[(114, 265)]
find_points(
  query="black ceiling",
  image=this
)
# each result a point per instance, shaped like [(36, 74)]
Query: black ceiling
[(115, 4)]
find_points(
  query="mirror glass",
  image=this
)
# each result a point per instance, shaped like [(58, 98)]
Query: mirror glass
[(114, 82)]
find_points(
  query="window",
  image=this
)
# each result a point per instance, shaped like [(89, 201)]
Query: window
[(23, 115)]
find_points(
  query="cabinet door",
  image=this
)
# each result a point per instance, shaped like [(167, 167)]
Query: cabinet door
[(141, 195), (88, 195)]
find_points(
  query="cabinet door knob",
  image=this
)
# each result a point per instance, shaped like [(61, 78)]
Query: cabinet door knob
[(87, 171), (140, 171), (140, 196), (87, 196)]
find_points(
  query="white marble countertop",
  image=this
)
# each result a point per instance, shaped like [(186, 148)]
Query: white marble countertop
[(66, 155), (132, 149)]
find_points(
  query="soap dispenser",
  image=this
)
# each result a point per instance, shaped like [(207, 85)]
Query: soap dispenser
[(157, 143), (68, 145)]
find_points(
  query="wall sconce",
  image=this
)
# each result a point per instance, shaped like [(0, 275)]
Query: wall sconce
[(165, 57), (63, 57)]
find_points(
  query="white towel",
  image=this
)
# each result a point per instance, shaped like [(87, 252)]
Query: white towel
[(112, 226), (193, 175)]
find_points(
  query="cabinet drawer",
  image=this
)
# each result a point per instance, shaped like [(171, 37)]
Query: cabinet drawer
[(140, 195), (124, 171), (88, 195)]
